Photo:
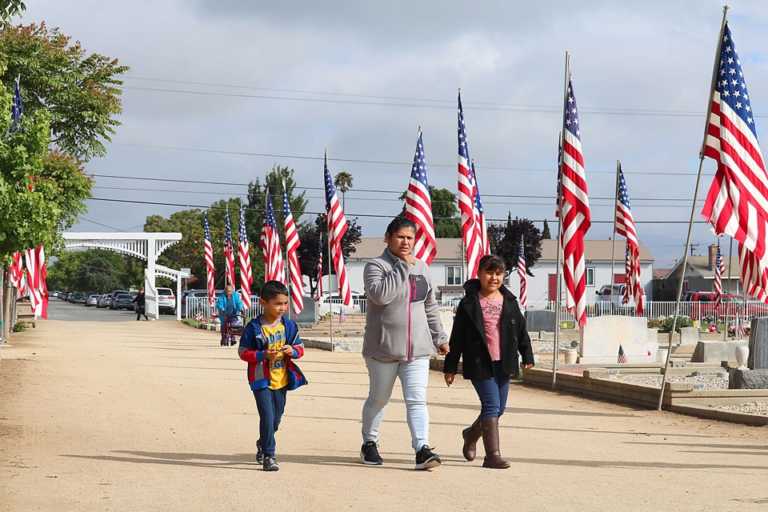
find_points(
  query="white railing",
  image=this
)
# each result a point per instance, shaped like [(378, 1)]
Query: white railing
[(358, 306), (657, 309), (198, 308)]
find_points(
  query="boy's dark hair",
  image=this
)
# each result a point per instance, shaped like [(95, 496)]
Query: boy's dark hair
[(399, 223), (272, 289), (491, 263)]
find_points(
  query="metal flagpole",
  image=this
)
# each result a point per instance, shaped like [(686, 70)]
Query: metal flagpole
[(613, 235), (556, 342), (286, 264), (722, 289), (693, 211), (330, 295)]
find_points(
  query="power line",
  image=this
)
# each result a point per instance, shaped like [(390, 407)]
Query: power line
[(645, 172), (369, 215)]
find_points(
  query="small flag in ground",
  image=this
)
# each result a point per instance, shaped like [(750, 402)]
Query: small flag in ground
[(521, 273), (229, 254), (292, 244), (418, 207), (622, 359), (244, 257), (270, 244), (210, 270)]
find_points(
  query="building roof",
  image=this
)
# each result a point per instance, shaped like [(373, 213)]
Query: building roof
[(700, 266), (449, 249)]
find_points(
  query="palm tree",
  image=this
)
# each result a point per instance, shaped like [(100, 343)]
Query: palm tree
[(343, 182)]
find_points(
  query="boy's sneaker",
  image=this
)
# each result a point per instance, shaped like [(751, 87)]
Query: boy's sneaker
[(270, 464), (369, 454), (259, 453), (427, 459)]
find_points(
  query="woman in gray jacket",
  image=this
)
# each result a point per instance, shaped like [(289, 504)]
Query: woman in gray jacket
[(402, 331)]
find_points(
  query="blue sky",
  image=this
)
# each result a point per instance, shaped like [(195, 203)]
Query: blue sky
[(214, 83)]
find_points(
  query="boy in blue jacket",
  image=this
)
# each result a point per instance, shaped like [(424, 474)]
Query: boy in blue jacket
[(270, 344)]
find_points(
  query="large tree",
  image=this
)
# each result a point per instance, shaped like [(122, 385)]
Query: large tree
[(445, 213), (310, 250), (79, 90), (505, 241), (343, 181)]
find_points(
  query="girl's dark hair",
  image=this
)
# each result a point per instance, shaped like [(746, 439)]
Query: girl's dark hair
[(272, 289), (399, 223), (491, 263)]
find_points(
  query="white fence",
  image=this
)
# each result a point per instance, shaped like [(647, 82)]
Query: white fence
[(198, 308)]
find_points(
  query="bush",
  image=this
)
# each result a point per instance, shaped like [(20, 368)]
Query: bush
[(682, 321), (19, 327)]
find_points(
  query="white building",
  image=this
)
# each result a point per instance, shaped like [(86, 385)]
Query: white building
[(447, 270)]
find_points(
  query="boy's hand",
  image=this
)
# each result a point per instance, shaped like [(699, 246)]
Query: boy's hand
[(272, 354), (443, 349), (287, 350), (527, 366), (449, 378)]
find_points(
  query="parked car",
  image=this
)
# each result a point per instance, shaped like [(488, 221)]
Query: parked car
[(92, 300), (606, 296), (122, 301), (104, 301), (166, 300), (79, 298)]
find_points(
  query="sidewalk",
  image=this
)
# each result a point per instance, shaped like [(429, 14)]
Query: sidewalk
[(141, 416)]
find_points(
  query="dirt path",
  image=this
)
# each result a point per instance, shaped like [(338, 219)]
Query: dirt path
[(155, 416)]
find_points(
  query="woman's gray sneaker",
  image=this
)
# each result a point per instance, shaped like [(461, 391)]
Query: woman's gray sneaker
[(369, 454)]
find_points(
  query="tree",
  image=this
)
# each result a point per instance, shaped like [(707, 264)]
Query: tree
[(507, 245), (188, 251), (445, 213), (9, 9), (310, 249), (545, 234), (95, 270), (343, 181), (80, 91)]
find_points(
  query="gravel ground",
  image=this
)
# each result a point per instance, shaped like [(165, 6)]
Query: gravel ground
[(700, 382), (759, 408)]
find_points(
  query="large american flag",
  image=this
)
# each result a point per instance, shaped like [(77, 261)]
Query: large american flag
[(291, 254), (480, 225), (626, 227), (718, 285), (229, 254), (270, 244), (418, 207), (17, 275), (244, 258), (470, 234), (737, 201), (210, 270), (575, 214), (521, 273), (33, 280), (43, 281), (319, 270), (337, 227)]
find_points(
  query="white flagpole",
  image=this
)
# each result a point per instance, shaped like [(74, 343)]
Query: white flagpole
[(613, 236), (684, 262)]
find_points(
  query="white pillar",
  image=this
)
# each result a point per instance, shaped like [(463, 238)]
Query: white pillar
[(178, 297), (151, 284)]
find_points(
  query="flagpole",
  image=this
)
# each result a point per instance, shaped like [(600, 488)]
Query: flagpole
[(556, 341), (613, 236), (287, 264), (722, 289), (330, 295), (693, 211)]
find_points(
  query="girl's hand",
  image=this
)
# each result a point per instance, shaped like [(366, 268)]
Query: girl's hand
[(527, 366), (449, 378), (443, 349)]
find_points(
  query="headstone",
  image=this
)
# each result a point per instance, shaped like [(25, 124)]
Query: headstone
[(309, 314), (747, 379), (540, 320), (689, 336), (604, 334), (758, 344), (716, 351)]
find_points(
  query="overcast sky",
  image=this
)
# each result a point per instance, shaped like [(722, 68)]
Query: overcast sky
[(214, 84)]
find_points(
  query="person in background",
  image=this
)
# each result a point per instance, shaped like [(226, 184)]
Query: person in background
[(141, 303), (229, 307)]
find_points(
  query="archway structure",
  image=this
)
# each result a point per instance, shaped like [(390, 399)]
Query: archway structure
[(145, 246)]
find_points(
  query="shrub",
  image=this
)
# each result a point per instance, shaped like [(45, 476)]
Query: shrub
[(682, 321)]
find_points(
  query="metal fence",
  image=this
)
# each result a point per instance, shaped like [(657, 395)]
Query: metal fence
[(197, 308)]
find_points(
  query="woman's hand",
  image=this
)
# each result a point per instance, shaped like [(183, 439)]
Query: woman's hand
[(449, 378), (443, 349)]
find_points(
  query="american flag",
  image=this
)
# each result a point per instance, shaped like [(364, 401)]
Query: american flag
[(622, 359), (626, 227), (244, 258), (17, 275), (319, 277), (337, 227), (33, 280), (43, 281), (521, 273), (737, 202), (473, 244), (575, 214), (291, 254), (17, 106), (418, 207), (229, 254), (209, 268), (719, 270), (479, 213), (270, 244)]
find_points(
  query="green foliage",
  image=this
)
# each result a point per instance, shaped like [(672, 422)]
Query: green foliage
[(95, 270), (545, 234), (19, 327), (445, 213), (682, 321), (9, 9), (309, 251), (80, 91)]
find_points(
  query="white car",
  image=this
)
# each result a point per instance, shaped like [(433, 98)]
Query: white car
[(166, 300), (93, 300)]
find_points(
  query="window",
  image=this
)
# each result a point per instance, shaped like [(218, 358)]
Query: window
[(453, 275), (590, 276)]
